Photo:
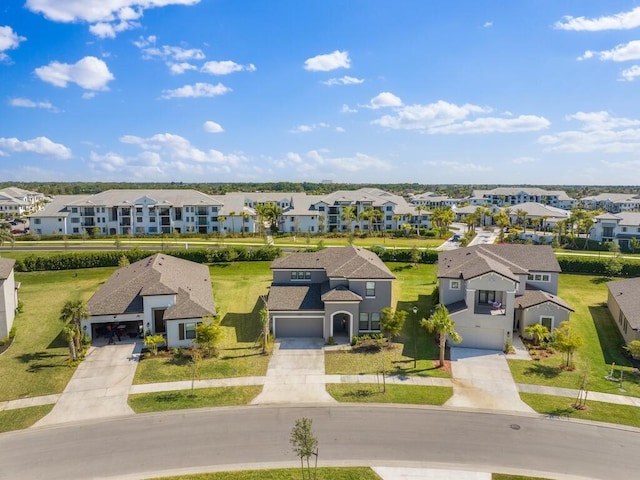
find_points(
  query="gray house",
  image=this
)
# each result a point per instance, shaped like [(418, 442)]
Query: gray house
[(494, 291), (160, 294), (335, 292), (8, 296), (624, 304)]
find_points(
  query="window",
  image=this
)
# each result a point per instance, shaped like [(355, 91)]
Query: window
[(36, 221), (139, 219), (454, 284), (364, 321), (187, 331), (375, 321), (74, 209), (371, 289), (547, 321), (73, 220), (624, 229), (76, 230), (300, 275)]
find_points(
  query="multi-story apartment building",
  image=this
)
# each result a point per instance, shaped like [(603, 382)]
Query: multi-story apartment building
[(17, 201), (612, 202), (508, 196), (434, 200)]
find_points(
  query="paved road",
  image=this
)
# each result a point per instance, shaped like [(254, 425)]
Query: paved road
[(187, 441)]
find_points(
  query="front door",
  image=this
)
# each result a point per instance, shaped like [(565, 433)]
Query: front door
[(159, 323)]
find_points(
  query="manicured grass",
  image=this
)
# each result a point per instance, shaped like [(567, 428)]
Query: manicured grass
[(341, 473), (504, 476), (603, 344), (22, 417), (199, 398), (595, 411), (373, 393), (36, 362), (237, 289), (413, 287)]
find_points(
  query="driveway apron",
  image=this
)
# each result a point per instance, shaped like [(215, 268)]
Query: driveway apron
[(100, 386), (295, 374), (482, 379)]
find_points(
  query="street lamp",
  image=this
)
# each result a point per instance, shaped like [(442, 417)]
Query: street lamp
[(415, 338)]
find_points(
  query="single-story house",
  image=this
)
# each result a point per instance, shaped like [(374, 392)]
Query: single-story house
[(624, 304), (159, 294), (335, 292), (495, 291), (8, 296)]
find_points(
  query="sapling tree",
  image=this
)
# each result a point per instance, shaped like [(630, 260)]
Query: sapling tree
[(305, 444), (391, 322)]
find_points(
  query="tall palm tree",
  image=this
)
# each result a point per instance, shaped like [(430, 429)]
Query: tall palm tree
[(245, 217), (5, 234), (348, 215), (441, 323), (73, 311), (233, 223)]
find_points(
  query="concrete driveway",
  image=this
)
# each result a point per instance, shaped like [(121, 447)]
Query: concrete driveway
[(100, 386), (482, 379), (296, 373)]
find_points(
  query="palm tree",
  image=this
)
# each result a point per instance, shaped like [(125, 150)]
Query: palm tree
[(245, 218), (540, 333), (396, 218), (521, 215), (348, 215), (441, 323), (420, 208), (442, 217), (6, 235), (73, 311), (233, 223)]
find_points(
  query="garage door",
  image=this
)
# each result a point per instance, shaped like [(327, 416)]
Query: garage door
[(299, 327), (487, 338)]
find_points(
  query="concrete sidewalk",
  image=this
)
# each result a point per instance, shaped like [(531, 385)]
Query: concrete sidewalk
[(100, 386), (409, 473)]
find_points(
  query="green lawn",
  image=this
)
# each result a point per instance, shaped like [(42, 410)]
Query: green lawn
[(603, 344), (22, 417), (36, 362), (199, 398), (504, 476), (237, 288), (341, 473), (595, 411), (413, 287), (373, 393)]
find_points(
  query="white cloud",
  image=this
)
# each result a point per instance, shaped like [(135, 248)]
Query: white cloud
[(459, 167), (523, 160), (523, 123), (40, 145), (180, 68), (346, 80), (197, 90), (90, 73), (176, 58), (226, 67), (309, 128), (340, 130), (631, 73), (212, 127), (383, 100), (318, 161), (599, 132), (9, 40), (619, 53), (27, 103), (328, 62), (107, 17), (619, 21), (487, 24), (347, 109)]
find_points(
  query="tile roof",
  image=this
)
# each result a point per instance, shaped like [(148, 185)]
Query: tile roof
[(533, 296), (6, 266), (507, 260), (159, 274), (627, 295), (342, 262)]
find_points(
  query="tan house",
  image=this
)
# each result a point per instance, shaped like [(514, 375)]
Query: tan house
[(160, 294), (624, 304)]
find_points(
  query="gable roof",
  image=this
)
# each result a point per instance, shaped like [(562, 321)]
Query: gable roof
[(507, 260), (295, 297), (6, 266), (625, 293), (339, 262), (534, 296), (159, 274)]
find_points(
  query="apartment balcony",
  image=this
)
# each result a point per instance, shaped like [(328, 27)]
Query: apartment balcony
[(489, 309)]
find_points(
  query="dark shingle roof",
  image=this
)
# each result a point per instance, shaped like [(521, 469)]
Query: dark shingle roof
[(343, 262), (507, 260), (295, 297), (533, 296), (341, 294), (627, 294), (6, 265), (159, 274)]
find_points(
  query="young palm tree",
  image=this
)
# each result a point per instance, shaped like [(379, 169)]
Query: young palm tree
[(348, 215), (73, 311), (441, 323), (539, 332)]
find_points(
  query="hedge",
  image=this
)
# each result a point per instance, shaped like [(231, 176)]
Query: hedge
[(404, 255), (76, 260), (597, 266)]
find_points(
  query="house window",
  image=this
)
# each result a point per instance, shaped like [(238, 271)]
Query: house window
[(36, 221), (139, 219), (547, 321), (454, 285), (371, 289), (624, 229), (300, 275), (187, 331), (375, 321), (364, 321)]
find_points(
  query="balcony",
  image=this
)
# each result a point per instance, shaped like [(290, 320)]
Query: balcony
[(489, 309)]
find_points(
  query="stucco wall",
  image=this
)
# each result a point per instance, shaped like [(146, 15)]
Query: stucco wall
[(8, 304), (619, 320), (532, 315)]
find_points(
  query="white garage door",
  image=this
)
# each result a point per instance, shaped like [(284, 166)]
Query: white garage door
[(487, 338), (299, 327)]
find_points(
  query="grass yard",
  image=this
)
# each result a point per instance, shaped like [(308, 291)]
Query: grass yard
[(22, 417), (603, 344), (504, 476), (237, 288), (36, 362), (595, 411), (413, 287), (339, 473), (199, 398), (372, 393)]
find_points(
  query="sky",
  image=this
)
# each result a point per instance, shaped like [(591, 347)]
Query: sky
[(542, 92)]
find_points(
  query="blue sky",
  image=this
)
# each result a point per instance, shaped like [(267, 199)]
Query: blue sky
[(361, 91)]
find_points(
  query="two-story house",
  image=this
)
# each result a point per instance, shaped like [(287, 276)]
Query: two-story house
[(616, 227), (335, 292), (494, 291)]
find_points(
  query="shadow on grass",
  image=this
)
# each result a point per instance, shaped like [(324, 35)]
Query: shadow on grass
[(361, 393), (561, 412), (402, 268), (611, 341), (169, 397), (600, 280), (246, 325), (58, 341), (544, 371), (39, 357)]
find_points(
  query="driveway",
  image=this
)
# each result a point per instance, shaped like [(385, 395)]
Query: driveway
[(100, 386), (295, 373), (482, 379)]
